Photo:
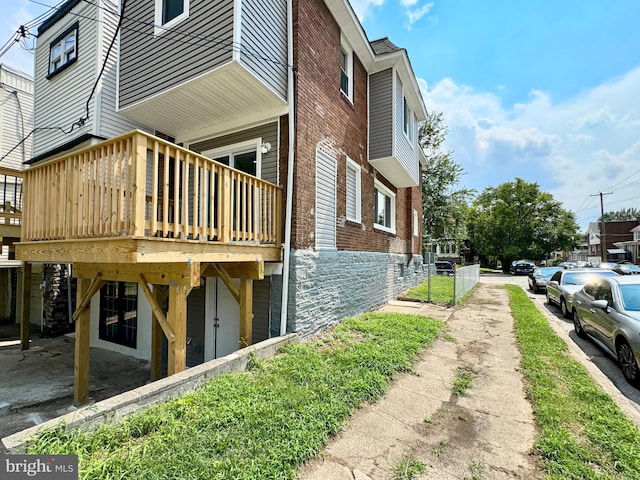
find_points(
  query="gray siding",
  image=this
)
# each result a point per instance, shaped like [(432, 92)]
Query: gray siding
[(261, 309), (264, 42), (195, 326), (61, 99), (150, 64), (325, 201), (381, 114), (405, 153), (268, 133)]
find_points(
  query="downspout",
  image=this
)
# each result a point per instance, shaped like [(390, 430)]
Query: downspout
[(292, 74)]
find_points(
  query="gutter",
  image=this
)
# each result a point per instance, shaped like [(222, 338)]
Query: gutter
[(292, 74)]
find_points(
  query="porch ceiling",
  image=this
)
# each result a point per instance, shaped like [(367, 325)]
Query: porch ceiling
[(218, 97)]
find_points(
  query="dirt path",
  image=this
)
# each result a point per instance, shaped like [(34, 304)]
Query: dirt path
[(488, 433)]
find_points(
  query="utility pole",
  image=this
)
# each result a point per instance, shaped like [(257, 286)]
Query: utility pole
[(603, 234)]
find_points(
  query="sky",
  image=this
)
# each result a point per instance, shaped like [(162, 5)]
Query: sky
[(547, 90)]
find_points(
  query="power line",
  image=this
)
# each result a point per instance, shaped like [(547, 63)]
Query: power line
[(603, 235)]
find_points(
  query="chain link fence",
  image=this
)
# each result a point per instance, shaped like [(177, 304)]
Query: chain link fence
[(446, 286)]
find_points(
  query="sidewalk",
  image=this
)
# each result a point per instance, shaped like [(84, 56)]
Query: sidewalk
[(488, 433)]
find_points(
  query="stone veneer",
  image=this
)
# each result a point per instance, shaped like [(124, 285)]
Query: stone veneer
[(328, 286)]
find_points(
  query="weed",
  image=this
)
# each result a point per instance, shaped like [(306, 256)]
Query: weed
[(442, 409), (476, 470), (408, 468), (428, 420), (463, 381), (439, 448)]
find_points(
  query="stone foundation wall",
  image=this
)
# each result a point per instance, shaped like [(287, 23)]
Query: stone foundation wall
[(326, 287)]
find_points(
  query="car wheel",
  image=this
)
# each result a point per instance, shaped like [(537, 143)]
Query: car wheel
[(549, 302), (628, 363), (563, 308), (577, 326)]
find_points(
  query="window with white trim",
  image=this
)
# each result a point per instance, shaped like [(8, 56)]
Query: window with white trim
[(346, 69), (63, 51), (169, 13), (354, 191), (244, 156), (384, 208), (406, 118), (416, 229)]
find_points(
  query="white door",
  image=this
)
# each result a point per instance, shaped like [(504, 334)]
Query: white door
[(222, 336)]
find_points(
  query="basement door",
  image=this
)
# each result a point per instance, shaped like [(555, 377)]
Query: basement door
[(222, 320)]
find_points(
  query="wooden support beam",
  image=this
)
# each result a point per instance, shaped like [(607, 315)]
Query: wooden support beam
[(160, 295), (85, 301), (81, 355), (25, 305), (252, 270), (178, 321), (246, 312), (222, 273), (156, 309), (155, 274)]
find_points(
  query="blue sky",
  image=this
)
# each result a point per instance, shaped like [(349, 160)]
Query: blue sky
[(545, 90)]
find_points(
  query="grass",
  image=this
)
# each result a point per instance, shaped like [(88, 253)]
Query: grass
[(408, 468), (582, 432), (476, 470), (263, 423), (441, 290), (463, 381)]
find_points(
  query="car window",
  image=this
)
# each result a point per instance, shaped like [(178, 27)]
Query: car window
[(556, 276), (590, 288), (603, 292), (630, 296)]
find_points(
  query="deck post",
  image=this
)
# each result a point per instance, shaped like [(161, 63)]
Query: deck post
[(25, 305), (246, 312), (177, 317), (156, 338), (139, 159), (81, 357), (225, 205)]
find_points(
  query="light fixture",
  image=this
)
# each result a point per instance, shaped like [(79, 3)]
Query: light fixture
[(266, 147)]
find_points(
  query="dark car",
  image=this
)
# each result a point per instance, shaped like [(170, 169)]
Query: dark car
[(445, 268), (540, 276), (627, 269), (523, 268)]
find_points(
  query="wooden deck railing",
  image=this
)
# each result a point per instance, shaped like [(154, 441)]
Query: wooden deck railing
[(139, 185), (10, 196)]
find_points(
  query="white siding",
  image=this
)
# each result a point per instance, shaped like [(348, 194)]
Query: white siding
[(16, 117), (325, 201)]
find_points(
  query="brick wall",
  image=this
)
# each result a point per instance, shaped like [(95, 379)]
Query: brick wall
[(326, 118)]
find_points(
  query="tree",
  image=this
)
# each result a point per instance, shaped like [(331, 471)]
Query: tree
[(444, 207), (516, 220), (621, 215)]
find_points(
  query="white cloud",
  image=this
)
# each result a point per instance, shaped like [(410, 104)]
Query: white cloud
[(416, 14), (572, 149), (361, 7), (408, 3)]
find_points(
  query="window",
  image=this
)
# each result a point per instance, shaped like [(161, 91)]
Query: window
[(353, 191), (346, 70), (385, 208), (169, 13), (416, 227), (63, 51), (245, 156), (406, 118), (119, 313)]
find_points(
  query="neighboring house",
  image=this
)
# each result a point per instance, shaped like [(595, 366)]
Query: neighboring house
[(285, 153), (632, 246), (16, 121), (616, 234)]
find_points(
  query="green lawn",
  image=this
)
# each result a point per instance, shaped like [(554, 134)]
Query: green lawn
[(261, 424), (582, 432), (441, 290)]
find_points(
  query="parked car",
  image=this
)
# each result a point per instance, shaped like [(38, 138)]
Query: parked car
[(607, 265), (445, 268), (540, 276), (608, 309), (522, 267), (627, 269), (563, 284)]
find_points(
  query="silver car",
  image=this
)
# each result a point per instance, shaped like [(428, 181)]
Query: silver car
[(563, 284), (608, 309)]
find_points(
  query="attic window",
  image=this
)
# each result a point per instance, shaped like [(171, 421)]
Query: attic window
[(170, 13), (63, 51)]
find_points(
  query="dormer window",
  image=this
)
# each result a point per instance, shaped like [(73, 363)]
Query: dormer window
[(169, 13), (63, 51), (346, 70)]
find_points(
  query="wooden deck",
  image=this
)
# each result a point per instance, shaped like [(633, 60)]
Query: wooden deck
[(10, 203), (139, 209)]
